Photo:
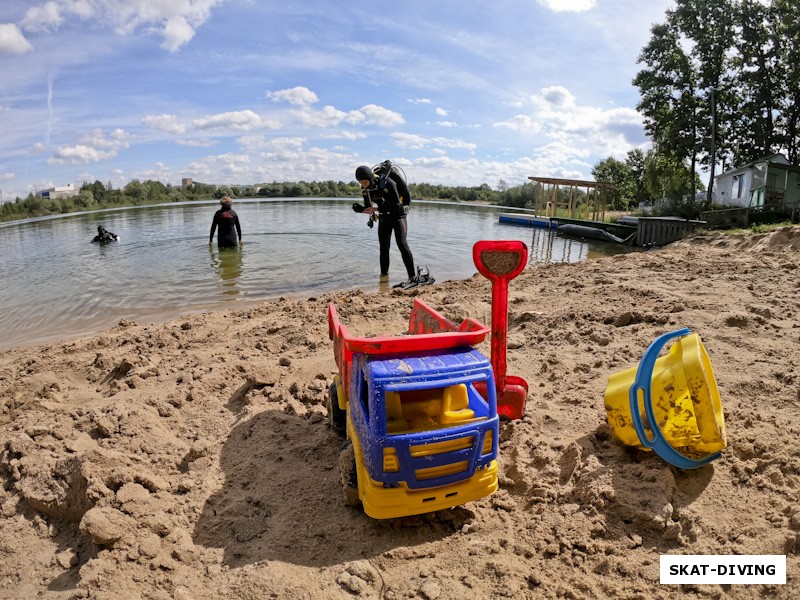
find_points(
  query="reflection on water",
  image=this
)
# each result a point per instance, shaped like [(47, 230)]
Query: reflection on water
[(56, 284), (227, 263)]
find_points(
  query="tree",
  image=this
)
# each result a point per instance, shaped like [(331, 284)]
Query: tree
[(664, 177), (786, 30), (636, 188), (688, 69), (667, 87), (617, 173), (757, 94)]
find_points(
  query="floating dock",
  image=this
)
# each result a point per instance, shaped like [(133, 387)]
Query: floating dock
[(528, 220), (636, 231)]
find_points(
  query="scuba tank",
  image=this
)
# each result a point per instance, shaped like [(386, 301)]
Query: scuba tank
[(387, 170)]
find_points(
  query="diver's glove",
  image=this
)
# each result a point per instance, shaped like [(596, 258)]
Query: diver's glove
[(359, 208)]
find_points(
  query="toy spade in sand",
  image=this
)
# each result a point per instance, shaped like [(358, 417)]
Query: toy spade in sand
[(500, 261)]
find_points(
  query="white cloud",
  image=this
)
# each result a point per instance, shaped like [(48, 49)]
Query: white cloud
[(36, 148), (520, 124), (256, 143), (409, 141), (441, 112), (342, 134), (223, 168), (243, 119), (6, 176), (327, 117), (298, 96), (176, 33), (79, 153), (555, 96), (47, 17), (92, 148), (568, 5), (165, 123), (378, 115), (176, 22), (556, 115), (417, 142), (197, 143), (159, 172), (12, 41)]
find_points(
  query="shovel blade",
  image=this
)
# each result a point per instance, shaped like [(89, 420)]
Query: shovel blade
[(512, 398)]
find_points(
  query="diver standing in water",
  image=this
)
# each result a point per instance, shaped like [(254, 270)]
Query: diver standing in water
[(381, 195), (230, 232)]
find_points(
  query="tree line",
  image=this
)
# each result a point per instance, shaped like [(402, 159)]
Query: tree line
[(96, 195)]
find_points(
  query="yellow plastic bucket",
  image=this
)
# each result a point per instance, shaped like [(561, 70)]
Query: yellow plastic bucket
[(669, 404)]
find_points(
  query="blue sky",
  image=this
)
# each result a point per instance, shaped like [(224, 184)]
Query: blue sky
[(247, 91)]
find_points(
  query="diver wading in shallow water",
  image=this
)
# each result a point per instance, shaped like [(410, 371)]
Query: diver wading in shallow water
[(385, 193), (104, 236), (230, 232)]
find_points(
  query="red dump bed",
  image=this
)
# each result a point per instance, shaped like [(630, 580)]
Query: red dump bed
[(427, 330)]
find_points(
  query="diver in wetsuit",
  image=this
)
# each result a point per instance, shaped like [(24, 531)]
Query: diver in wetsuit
[(393, 208), (104, 236), (228, 222)]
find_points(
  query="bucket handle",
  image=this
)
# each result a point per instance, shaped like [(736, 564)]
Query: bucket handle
[(644, 376)]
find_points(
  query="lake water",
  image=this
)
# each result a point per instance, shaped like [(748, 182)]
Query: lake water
[(56, 284)]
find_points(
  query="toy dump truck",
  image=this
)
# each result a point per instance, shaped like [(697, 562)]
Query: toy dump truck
[(420, 411), (420, 436)]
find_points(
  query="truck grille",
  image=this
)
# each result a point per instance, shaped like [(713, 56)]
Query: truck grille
[(442, 447)]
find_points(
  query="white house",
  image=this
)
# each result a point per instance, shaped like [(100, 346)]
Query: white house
[(769, 183)]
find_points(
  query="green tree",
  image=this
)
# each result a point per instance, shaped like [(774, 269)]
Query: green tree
[(667, 88), (636, 187), (616, 172), (786, 28), (753, 127), (666, 178)]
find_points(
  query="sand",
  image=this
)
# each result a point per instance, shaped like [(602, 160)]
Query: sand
[(193, 459)]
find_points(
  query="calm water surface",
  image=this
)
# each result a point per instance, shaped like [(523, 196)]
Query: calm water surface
[(57, 284)]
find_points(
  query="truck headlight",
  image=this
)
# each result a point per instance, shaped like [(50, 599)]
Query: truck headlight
[(390, 462), (487, 443)]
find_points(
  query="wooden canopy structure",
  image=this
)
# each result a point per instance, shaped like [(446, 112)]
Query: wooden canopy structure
[(552, 200)]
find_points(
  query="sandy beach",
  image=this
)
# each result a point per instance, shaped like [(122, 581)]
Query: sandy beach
[(193, 459)]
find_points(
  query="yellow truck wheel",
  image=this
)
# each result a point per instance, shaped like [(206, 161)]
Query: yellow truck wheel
[(349, 474)]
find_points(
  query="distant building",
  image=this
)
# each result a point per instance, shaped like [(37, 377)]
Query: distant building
[(186, 182), (770, 183), (58, 193)]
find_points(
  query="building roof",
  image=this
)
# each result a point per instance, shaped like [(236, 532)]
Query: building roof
[(574, 182)]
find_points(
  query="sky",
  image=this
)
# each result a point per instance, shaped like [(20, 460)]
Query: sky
[(238, 92)]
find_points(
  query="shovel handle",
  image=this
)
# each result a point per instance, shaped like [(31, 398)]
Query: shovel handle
[(499, 261)]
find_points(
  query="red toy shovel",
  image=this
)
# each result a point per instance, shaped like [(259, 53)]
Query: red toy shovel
[(500, 261)]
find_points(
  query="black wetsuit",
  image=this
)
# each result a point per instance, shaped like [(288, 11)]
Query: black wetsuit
[(104, 236), (393, 208), (230, 232)]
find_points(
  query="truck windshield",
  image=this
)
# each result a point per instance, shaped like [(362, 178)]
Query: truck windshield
[(434, 408)]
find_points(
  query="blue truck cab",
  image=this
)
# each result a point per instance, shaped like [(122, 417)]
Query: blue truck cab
[(423, 437)]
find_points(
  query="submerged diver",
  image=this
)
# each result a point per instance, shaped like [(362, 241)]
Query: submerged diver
[(103, 236), (229, 229)]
